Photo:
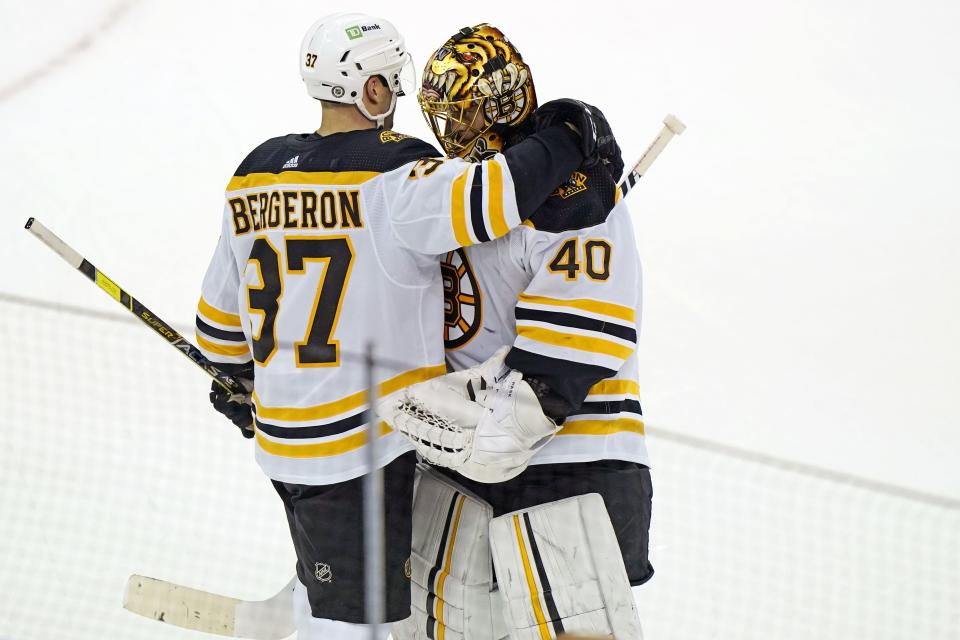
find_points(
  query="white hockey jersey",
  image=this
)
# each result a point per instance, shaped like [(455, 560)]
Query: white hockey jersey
[(329, 244), (565, 290)]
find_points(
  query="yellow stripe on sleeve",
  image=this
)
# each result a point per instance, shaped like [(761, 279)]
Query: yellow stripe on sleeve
[(223, 350), (575, 341), (457, 210), (495, 203), (254, 180), (531, 583), (602, 427), (615, 388), (585, 304), (220, 317), (320, 449), (351, 402)]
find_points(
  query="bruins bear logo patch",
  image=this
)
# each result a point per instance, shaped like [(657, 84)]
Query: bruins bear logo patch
[(462, 304), (392, 136), (576, 184)]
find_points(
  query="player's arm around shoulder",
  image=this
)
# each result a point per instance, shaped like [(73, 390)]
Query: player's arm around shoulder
[(437, 204)]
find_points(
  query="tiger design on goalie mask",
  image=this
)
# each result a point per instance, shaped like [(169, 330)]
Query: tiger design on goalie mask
[(476, 87)]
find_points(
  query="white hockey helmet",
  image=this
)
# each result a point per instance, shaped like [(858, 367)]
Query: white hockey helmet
[(341, 51)]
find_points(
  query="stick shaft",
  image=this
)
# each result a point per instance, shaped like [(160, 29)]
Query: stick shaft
[(671, 126), (132, 305)]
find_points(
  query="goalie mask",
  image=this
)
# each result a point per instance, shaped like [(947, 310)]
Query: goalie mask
[(476, 90)]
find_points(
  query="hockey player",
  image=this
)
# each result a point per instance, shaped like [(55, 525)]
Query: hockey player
[(330, 241), (563, 291)]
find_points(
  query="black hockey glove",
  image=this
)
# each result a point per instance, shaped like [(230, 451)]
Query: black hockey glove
[(596, 138), (238, 413)]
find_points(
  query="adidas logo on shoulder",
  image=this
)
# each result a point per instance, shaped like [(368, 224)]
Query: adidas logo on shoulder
[(292, 162)]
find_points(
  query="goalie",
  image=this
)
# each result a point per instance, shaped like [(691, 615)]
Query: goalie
[(537, 449)]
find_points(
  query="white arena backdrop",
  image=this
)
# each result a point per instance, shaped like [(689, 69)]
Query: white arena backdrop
[(113, 463)]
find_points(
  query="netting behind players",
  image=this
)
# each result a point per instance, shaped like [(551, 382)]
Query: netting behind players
[(113, 463)]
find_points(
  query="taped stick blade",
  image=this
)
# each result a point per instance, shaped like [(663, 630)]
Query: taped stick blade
[(180, 606)]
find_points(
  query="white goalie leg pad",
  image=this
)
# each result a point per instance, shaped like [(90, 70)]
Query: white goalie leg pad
[(452, 594), (559, 569)]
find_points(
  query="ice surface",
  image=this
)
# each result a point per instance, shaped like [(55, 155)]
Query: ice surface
[(802, 278)]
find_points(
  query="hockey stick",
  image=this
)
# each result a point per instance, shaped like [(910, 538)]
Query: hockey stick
[(134, 306), (671, 126), (270, 619)]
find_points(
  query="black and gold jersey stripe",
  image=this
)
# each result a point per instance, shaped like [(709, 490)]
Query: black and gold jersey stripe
[(223, 343), (219, 316), (476, 206), (612, 407), (333, 447), (219, 334), (333, 428), (563, 319), (477, 214), (608, 407), (598, 307)]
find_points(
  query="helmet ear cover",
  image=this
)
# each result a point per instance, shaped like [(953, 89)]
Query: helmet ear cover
[(476, 91)]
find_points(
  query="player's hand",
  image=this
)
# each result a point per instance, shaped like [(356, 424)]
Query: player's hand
[(597, 141), (236, 407)]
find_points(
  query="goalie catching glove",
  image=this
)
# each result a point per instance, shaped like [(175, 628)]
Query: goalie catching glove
[(486, 422)]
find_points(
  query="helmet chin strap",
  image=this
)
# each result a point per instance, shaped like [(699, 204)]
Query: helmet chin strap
[(383, 116)]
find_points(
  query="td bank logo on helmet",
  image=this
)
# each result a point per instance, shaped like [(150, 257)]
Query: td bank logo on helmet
[(357, 32)]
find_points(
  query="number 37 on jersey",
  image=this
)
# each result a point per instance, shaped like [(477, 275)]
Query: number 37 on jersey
[(300, 260)]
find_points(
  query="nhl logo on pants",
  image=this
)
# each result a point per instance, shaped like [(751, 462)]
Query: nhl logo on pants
[(322, 572)]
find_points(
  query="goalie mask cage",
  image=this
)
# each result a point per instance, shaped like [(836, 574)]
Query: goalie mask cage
[(113, 463)]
